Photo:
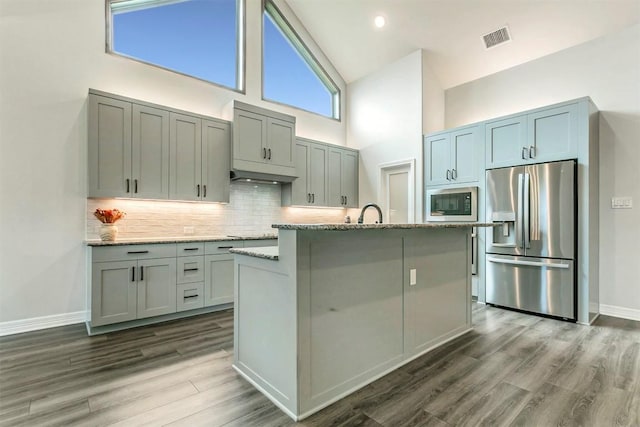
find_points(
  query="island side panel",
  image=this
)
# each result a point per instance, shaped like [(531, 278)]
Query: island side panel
[(438, 305), (265, 329), (350, 310)]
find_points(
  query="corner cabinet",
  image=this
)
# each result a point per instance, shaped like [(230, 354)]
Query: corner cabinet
[(263, 141), (453, 157), (542, 135), (148, 151), (343, 178)]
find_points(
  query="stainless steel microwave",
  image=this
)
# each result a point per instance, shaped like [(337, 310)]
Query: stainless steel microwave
[(452, 204)]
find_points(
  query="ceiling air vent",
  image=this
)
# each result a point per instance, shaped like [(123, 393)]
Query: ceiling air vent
[(497, 37)]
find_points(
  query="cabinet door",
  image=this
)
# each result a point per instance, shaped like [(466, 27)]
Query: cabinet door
[(150, 153), (300, 193), (113, 292), (249, 136), (109, 147), (317, 174), (350, 178), (280, 138), (216, 155), (218, 279), (466, 155), (437, 153), (186, 157), (156, 287), (334, 170), (506, 141), (553, 134)]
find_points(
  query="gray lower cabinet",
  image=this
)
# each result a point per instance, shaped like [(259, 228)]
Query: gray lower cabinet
[(199, 168), (543, 135), (190, 287), (128, 149), (218, 272), (454, 156), (342, 187), (263, 141), (132, 282), (310, 188)]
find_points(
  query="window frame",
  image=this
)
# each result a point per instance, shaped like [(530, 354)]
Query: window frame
[(298, 44), (241, 47)]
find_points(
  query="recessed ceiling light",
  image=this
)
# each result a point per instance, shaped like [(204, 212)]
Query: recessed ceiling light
[(379, 21)]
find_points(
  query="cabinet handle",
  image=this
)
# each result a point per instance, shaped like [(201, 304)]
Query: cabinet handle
[(269, 153), (137, 252), (190, 269), (141, 273), (191, 249), (454, 174), (135, 185), (308, 197), (264, 153), (346, 200), (198, 190), (524, 153), (204, 191), (127, 181), (313, 198), (532, 152), (190, 296), (448, 175), (133, 274), (225, 247)]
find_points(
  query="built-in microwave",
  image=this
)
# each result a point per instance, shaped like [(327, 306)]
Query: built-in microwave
[(452, 204)]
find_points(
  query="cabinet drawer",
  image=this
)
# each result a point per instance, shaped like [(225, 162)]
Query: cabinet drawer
[(190, 296), (191, 269), (189, 249), (214, 248), (127, 252)]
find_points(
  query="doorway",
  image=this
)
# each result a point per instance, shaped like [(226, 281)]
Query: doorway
[(397, 191)]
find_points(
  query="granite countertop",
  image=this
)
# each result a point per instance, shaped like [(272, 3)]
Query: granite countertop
[(267, 252), (350, 227), (180, 239)]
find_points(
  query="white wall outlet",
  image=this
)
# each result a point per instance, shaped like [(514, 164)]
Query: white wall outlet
[(189, 230), (412, 276), (621, 203)]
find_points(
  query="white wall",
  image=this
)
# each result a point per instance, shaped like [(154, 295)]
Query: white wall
[(51, 53), (607, 70), (385, 122)]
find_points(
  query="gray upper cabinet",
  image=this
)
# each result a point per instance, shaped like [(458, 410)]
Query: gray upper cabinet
[(453, 157), (310, 188), (263, 141), (544, 135), (343, 177), (138, 150), (128, 149)]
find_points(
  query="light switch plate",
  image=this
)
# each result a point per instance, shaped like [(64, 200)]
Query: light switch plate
[(621, 203), (412, 276)]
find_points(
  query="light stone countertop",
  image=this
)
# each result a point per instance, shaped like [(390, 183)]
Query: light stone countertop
[(180, 239), (267, 252), (351, 227)]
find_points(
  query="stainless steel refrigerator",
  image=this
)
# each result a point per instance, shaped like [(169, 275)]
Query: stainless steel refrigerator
[(531, 254)]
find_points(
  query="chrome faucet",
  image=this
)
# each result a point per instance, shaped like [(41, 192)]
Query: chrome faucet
[(369, 205)]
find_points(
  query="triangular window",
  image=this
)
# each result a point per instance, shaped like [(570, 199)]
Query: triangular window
[(291, 74)]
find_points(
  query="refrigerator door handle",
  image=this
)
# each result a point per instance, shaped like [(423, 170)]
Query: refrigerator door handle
[(526, 202), (519, 213), (529, 263)]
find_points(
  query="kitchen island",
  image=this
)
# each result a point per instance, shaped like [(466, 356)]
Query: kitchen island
[(336, 306)]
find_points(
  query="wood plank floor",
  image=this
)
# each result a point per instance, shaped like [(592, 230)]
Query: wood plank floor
[(511, 370)]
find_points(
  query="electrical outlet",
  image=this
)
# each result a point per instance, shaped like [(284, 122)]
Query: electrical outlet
[(189, 230), (412, 277), (621, 203)]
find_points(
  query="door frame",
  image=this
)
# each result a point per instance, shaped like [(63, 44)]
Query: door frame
[(385, 169)]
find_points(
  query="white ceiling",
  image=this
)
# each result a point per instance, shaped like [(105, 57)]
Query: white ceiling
[(450, 31)]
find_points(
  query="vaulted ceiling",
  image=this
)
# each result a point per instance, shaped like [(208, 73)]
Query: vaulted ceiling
[(450, 31)]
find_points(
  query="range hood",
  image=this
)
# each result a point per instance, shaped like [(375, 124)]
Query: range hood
[(267, 178)]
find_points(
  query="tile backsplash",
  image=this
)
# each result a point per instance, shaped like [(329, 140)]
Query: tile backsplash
[(251, 211)]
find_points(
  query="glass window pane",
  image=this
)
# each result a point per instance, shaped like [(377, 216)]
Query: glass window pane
[(193, 37), (288, 77)]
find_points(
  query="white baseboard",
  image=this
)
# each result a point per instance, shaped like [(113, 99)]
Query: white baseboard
[(623, 312), (37, 323)]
